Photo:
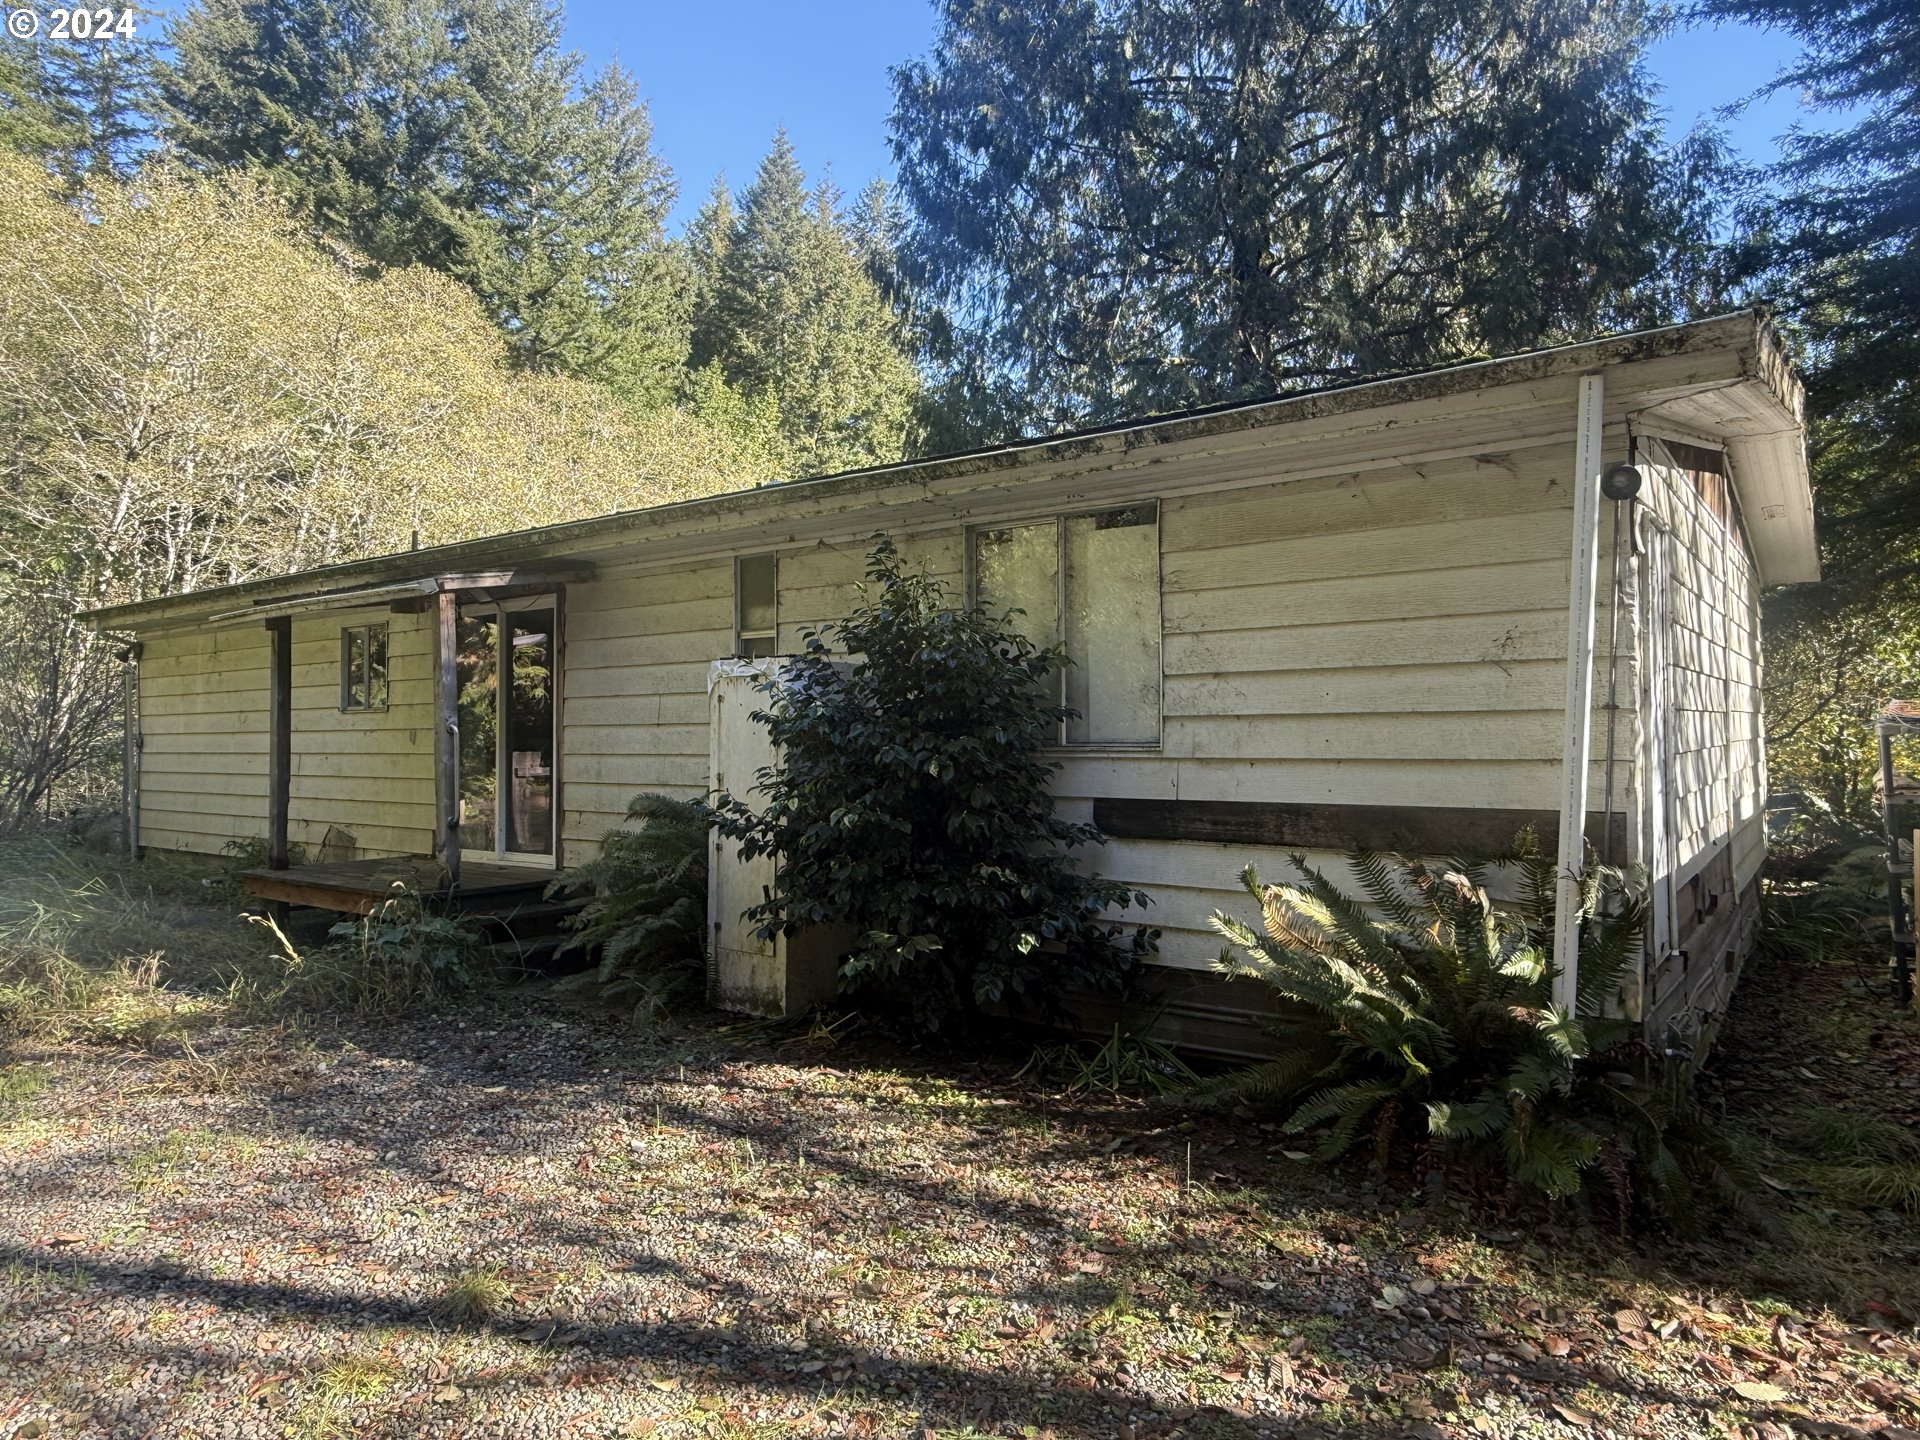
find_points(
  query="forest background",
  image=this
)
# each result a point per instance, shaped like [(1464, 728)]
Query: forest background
[(286, 282)]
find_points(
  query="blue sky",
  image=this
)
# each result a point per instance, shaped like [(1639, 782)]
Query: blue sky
[(721, 78)]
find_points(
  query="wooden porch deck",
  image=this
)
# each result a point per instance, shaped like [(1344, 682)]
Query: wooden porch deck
[(356, 887)]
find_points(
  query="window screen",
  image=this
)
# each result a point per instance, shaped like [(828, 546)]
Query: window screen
[(363, 667), (1092, 584), (756, 606), (1113, 627), (1018, 568)]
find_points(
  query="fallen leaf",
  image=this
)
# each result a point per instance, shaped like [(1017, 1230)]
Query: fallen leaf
[(1572, 1414), (1629, 1320), (1557, 1345), (1760, 1391)]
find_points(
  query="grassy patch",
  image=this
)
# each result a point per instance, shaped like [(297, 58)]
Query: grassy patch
[(20, 1083), (474, 1297), (183, 1151), (326, 1410), (87, 954)]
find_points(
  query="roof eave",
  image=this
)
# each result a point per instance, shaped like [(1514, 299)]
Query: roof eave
[(1725, 332)]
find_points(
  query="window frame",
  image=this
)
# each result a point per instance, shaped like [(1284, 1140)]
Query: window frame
[(1058, 519), (741, 635), (366, 633)]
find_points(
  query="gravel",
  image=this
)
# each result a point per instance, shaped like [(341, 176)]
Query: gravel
[(692, 1233)]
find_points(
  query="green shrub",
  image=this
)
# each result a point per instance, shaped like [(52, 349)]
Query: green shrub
[(1423, 1015), (912, 805), (398, 956), (646, 912)]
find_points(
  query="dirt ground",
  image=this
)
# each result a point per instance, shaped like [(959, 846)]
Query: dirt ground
[(521, 1219)]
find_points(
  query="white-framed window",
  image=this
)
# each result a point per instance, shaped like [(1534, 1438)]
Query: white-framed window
[(756, 606), (1090, 583), (363, 667)]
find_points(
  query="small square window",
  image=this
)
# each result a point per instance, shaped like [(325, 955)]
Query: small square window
[(756, 606), (363, 667)]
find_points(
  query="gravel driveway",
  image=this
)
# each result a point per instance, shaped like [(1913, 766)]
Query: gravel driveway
[(523, 1221)]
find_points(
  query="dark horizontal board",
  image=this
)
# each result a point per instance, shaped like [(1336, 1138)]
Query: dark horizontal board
[(1412, 829)]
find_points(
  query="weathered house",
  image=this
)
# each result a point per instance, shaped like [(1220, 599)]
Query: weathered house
[(1400, 614)]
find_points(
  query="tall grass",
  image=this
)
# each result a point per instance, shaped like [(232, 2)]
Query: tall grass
[(97, 948), (85, 955)]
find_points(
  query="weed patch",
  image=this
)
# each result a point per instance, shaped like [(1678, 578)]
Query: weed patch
[(474, 1297)]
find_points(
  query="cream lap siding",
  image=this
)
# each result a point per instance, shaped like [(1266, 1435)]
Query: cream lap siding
[(203, 716), (1391, 638), (821, 583), (637, 647), (367, 773)]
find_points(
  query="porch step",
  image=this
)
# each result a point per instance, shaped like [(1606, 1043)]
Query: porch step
[(538, 954)]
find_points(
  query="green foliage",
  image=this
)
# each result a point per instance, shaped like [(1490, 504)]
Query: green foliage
[(1422, 1012), (1150, 204), (1836, 235), (86, 107), (398, 956), (459, 136), (912, 804), (192, 394), (1128, 1062), (789, 312), (646, 909), (1833, 233), (1835, 652)]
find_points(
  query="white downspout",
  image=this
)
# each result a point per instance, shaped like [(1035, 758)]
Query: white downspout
[(1577, 744)]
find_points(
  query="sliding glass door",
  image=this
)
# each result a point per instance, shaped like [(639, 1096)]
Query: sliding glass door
[(507, 655)]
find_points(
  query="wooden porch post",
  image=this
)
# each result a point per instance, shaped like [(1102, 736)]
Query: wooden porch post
[(446, 733), (279, 737)]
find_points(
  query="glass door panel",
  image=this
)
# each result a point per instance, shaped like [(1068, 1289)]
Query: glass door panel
[(505, 671), (528, 744), (477, 669)]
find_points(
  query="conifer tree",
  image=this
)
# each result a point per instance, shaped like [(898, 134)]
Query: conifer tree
[(792, 316), (1836, 236), (1151, 204), (457, 134), (85, 107)]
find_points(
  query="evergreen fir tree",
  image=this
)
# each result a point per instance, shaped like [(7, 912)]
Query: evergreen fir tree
[(1150, 204), (793, 317), (456, 134), (348, 105), (705, 244), (28, 121), (1836, 237), (85, 107)]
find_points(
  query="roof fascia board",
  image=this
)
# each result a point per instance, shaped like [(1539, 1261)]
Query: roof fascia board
[(1743, 332)]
